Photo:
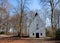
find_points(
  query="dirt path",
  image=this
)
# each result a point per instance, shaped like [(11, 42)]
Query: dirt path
[(18, 40)]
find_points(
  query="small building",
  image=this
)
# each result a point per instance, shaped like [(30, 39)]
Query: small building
[(37, 27)]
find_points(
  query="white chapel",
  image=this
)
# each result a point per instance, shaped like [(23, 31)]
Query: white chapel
[(37, 27)]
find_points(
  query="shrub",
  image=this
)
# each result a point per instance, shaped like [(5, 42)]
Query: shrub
[(58, 33), (47, 32), (2, 32)]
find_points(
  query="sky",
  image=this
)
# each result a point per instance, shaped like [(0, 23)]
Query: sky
[(34, 5), (13, 2)]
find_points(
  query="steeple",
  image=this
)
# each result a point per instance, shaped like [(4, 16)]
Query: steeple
[(36, 14)]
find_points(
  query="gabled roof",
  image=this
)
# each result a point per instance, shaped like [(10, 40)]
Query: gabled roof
[(37, 16)]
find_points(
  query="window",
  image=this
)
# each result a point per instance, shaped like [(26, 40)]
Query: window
[(41, 34), (33, 33), (37, 28), (37, 25)]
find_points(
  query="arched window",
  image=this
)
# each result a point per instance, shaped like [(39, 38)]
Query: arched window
[(33, 33), (41, 34)]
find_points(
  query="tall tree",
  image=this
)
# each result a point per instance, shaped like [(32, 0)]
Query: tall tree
[(22, 4), (53, 20), (4, 8), (53, 4)]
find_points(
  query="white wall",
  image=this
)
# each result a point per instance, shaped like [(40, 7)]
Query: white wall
[(41, 26)]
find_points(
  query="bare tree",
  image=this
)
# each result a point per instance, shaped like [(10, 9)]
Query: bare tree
[(3, 14), (21, 12), (4, 8), (53, 20)]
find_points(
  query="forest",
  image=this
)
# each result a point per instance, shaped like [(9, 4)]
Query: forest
[(17, 15)]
